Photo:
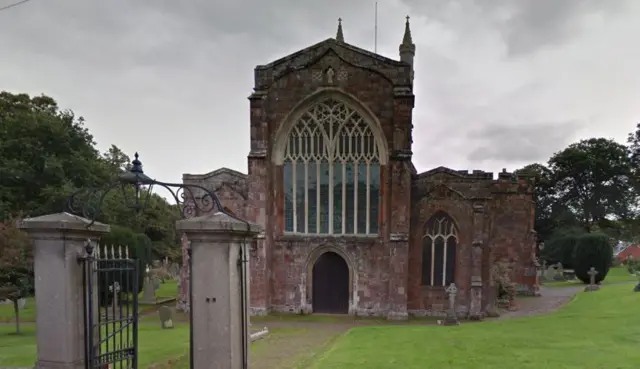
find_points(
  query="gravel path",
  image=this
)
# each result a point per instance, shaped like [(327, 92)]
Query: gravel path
[(551, 300)]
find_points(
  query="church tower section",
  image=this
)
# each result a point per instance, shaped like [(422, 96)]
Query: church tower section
[(330, 180)]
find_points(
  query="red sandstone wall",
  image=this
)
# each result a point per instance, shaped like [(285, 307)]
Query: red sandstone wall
[(279, 264)]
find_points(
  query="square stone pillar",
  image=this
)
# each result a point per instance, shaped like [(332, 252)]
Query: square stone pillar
[(219, 272), (58, 241)]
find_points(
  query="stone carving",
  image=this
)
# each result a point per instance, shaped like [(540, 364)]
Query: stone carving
[(592, 280), (330, 74), (343, 74), (452, 316), (115, 290), (351, 55), (166, 317), (148, 289)]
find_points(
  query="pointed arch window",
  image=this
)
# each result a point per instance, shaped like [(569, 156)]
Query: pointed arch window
[(331, 173), (439, 244)]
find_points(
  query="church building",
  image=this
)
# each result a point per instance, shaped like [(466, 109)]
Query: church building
[(350, 226)]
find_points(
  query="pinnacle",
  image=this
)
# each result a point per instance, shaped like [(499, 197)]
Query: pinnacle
[(339, 34)]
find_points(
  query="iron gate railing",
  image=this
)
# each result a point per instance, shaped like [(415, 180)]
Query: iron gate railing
[(110, 281)]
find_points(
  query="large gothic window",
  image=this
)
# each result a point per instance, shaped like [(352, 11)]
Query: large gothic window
[(331, 173), (439, 244)]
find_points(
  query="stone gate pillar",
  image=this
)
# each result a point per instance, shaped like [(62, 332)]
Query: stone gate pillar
[(58, 241), (219, 289)]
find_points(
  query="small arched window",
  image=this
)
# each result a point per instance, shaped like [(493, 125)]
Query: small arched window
[(331, 172), (439, 244)]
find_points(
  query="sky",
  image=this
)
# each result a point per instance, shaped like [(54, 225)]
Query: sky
[(498, 83)]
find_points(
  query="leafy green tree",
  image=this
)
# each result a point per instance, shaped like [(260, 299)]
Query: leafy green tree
[(551, 214), (16, 266), (45, 154), (592, 178)]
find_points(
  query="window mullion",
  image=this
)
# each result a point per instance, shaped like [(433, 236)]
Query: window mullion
[(330, 206), (444, 263), (295, 200), (318, 186), (344, 197), (306, 196), (433, 259), (368, 218), (355, 196)]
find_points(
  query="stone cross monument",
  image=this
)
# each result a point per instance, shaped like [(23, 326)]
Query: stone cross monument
[(592, 280), (452, 317)]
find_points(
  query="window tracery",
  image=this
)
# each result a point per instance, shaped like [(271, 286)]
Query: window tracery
[(331, 172), (439, 244)]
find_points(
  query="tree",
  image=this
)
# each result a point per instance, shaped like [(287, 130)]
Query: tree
[(634, 147), (16, 265), (45, 154), (116, 159), (592, 178), (550, 212)]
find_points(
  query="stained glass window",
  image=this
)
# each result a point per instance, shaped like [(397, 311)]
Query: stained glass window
[(439, 244), (332, 173)]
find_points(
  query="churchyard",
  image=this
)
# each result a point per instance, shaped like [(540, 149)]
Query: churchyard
[(595, 330)]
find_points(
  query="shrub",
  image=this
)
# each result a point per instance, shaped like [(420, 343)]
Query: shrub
[(560, 249), (592, 250), (632, 265), (139, 246)]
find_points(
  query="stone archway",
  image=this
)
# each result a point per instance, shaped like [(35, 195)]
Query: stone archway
[(330, 284)]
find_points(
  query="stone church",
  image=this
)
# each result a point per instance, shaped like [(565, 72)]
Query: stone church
[(350, 226)]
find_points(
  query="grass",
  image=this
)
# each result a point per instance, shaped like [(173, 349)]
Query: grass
[(28, 314), (154, 344), (615, 275), (598, 330), (167, 289)]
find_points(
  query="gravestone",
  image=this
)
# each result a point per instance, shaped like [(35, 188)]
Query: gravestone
[(115, 290), (559, 272), (452, 317), (592, 280), (156, 284), (166, 317), (550, 273), (148, 291), (637, 288), (22, 303)]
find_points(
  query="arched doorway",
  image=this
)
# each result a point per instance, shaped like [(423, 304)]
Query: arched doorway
[(330, 286)]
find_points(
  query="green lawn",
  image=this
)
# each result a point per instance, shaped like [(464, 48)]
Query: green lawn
[(167, 289), (154, 344), (28, 314), (598, 330), (615, 275)]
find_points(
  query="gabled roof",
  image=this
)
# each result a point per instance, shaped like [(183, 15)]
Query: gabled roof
[(216, 173), (332, 44), (632, 251)]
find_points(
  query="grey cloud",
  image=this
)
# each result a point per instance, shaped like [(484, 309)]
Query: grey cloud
[(525, 25), (171, 78), (520, 143)]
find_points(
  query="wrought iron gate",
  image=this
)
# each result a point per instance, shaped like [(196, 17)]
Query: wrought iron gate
[(110, 281)]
